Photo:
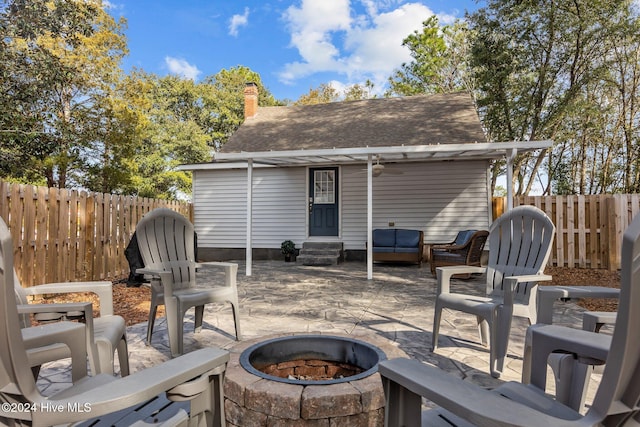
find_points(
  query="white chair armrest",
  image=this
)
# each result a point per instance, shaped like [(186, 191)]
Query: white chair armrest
[(547, 295), (466, 400), (62, 308), (103, 289), (149, 271), (230, 271), (85, 307), (545, 339), (104, 398), (72, 334), (532, 278), (511, 282), (444, 275)]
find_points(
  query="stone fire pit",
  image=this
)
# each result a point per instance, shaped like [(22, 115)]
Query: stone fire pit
[(253, 398)]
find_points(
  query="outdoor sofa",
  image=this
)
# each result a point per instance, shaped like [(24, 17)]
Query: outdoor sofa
[(397, 245)]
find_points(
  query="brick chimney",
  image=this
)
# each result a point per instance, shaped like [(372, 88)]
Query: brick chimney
[(250, 100)]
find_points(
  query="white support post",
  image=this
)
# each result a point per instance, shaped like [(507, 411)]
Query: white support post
[(511, 155), (249, 250), (370, 217)]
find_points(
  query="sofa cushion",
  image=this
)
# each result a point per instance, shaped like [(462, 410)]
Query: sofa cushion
[(463, 237), (384, 238), (407, 239)]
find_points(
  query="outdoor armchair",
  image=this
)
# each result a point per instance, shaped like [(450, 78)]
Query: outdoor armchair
[(571, 354), (466, 249), (105, 334), (166, 243), (519, 247), (616, 403), (196, 378)]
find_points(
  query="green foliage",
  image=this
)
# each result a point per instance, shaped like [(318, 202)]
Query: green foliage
[(428, 51), (227, 101), (439, 61), (288, 247), (70, 117), (58, 63), (547, 70), (356, 92), (323, 94)]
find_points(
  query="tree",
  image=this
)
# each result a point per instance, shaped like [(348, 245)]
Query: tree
[(536, 66), (439, 61), (178, 121), (62, 56), (357, 91), (227, 101), (323, 94)]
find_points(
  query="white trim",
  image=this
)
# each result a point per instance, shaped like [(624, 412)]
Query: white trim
[(336, 156), (249, 248), (370, 217)]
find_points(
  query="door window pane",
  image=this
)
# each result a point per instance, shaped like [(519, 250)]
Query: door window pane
[(325, 187)]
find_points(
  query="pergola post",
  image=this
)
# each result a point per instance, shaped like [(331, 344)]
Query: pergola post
[(369, 217), (249, 249), (511, 155)]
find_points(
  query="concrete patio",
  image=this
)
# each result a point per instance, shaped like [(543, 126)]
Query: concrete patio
[(396, 306)]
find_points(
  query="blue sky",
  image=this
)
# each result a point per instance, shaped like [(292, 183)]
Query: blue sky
[(294, 45)]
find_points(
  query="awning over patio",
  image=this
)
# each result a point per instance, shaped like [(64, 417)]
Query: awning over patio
[(366, 155)]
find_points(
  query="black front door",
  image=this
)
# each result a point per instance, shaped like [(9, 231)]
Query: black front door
[(323, 202)]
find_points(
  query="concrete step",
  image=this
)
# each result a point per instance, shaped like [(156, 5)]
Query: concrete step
[(320, 253), (317, 260), (323, 245), (328, 252)]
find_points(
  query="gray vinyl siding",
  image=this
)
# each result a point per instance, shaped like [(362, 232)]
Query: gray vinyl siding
[(220, 207), (439, 198)]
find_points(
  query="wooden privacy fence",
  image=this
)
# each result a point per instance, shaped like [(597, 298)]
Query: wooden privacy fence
[(64, 235), (588, 228)]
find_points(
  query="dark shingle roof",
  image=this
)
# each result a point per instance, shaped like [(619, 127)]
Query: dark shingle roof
[(383, 122)]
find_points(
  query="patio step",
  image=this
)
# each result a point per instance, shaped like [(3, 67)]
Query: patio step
[(320, 253)]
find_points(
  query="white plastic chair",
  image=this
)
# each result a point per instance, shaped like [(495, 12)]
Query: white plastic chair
[(196, 378), (519, 247), (166, 243), (461, 403), (105, 334)]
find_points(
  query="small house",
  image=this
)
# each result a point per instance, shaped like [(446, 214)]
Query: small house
[(331, 173)]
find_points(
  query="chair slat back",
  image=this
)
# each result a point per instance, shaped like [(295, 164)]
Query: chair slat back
[(519, 244), (16, 379), (618, 396), (166, 242)]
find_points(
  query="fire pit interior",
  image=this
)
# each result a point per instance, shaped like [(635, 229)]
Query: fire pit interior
[(312, 359), (306, 380)]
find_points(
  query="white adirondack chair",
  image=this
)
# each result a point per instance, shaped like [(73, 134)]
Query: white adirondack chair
[(196, 378), (166, 243), (519, 247), (616, 403), (105, 334)]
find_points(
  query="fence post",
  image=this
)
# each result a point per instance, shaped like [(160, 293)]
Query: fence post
[(614, 232)]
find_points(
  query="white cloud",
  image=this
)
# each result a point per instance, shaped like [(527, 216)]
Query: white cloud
[(238, 21), (182, 68), (331, 36)]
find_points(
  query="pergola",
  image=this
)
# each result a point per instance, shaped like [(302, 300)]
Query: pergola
[(342, 156)]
